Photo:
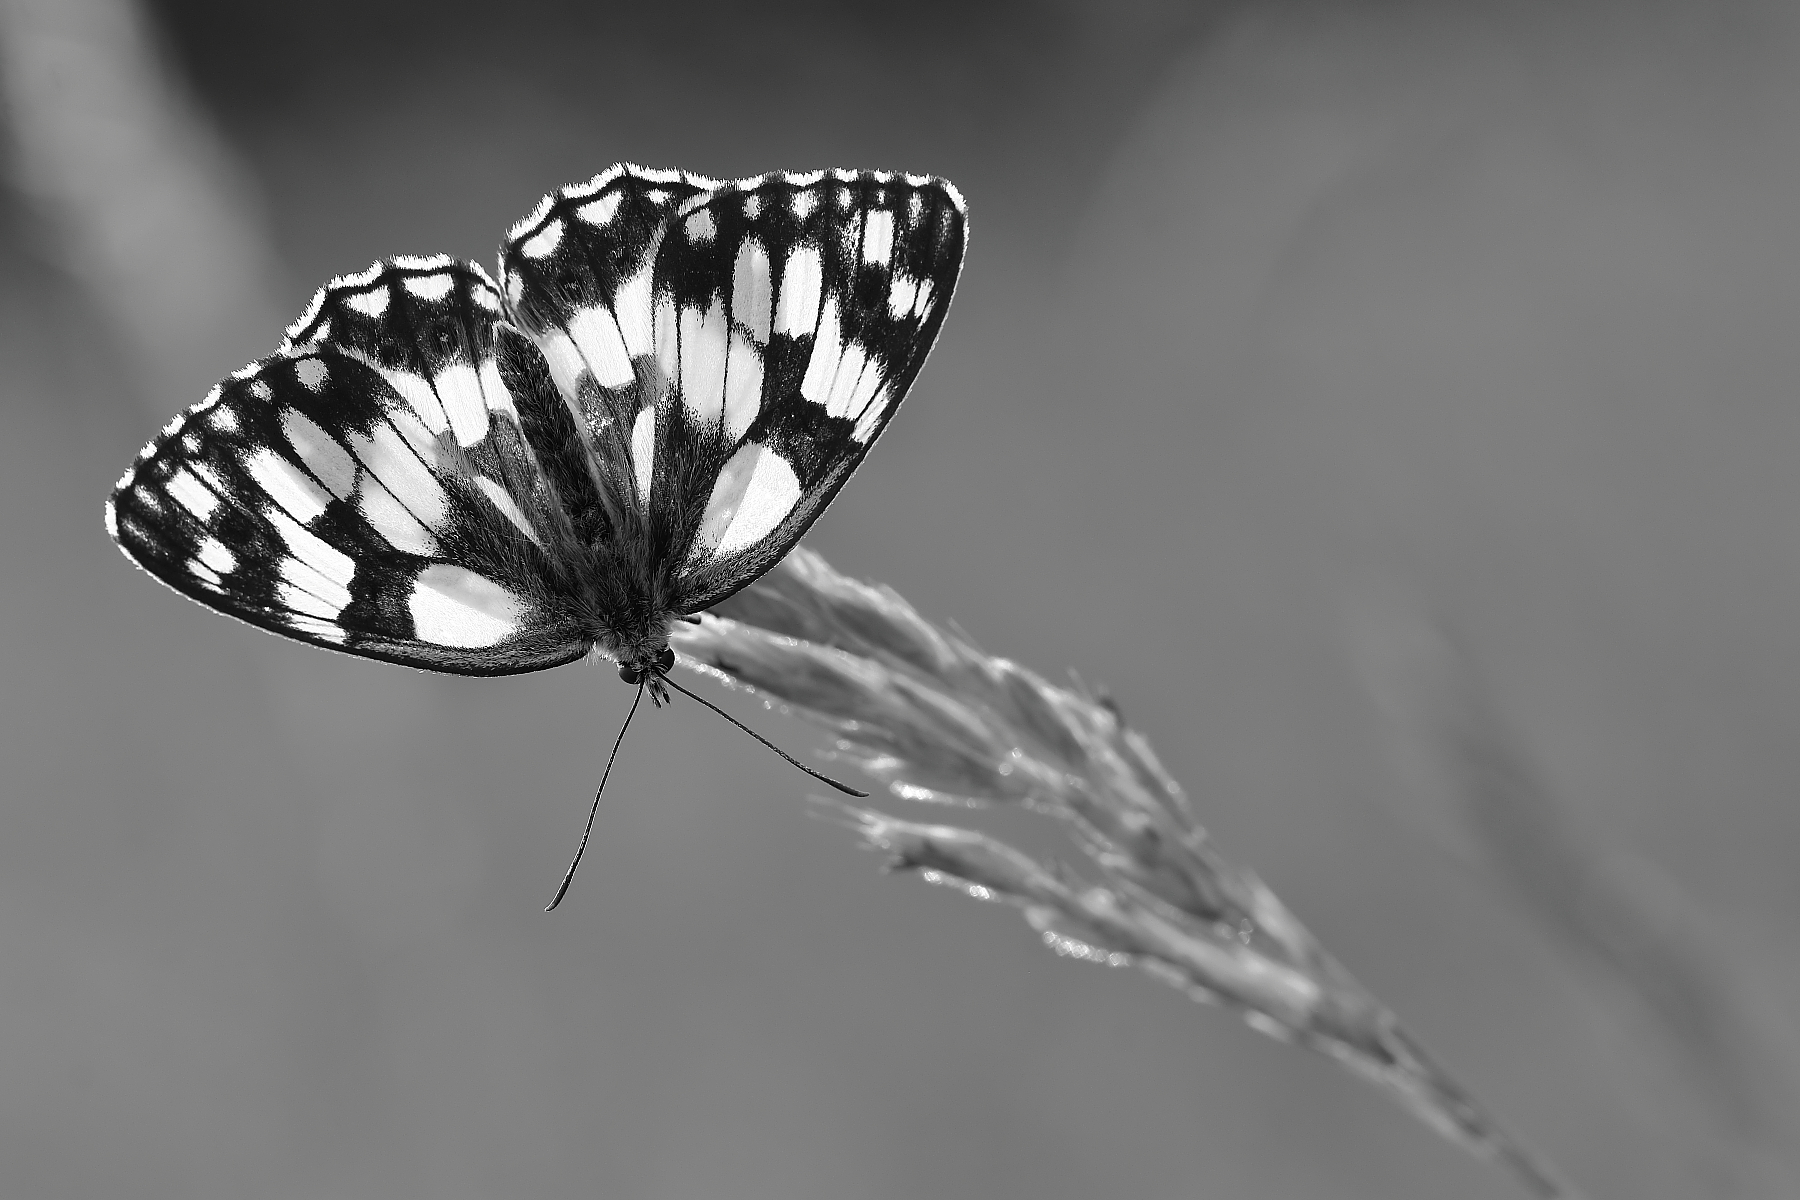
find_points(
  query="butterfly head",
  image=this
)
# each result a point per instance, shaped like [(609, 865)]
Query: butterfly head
[(635, 671)]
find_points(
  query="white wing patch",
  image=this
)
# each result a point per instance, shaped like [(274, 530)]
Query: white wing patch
[(753, 493), (718, 368), (565, 361), (371, 303), (459, 388), (420, 397), (704, 341), (216, 557), (429, 287), (392, 519), (187, 490), (631, 306), (494, 392), (599, 212), (752, 293), (797, 309), (827, 349), (908, 297), (903, 292), (321, 452), (878, 237), (643, 452), (743, 386), (544, 242), (389, 459), (601, 345), (315, 577), (454, 606), (286, 484), (853, 374)]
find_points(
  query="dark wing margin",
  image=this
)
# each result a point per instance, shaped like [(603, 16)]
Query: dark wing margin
[(397, 481), (789, 316)]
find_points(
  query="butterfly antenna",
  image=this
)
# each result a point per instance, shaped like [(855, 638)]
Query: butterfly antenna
[(842, 787), (589, 831)]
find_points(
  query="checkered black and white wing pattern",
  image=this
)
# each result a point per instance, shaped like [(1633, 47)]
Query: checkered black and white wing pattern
[(791, 315), (765, 334), (373, 486), (577, 278)]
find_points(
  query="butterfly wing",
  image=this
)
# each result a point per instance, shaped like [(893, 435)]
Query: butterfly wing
[(577, 275), (791, 315), (410, 478), (734, 349), (399, 480)]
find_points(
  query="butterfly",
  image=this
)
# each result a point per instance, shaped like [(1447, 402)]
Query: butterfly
[(668, 383)]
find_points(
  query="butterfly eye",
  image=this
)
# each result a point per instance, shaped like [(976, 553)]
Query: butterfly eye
[(629, 673), (665, 662)]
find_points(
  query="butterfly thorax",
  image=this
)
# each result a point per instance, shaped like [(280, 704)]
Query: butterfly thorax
[(623, 604), (633, 630)]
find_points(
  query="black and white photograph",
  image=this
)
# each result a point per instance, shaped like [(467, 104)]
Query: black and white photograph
[(1017, 600)]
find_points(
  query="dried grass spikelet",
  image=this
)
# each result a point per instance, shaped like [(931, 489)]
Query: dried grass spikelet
[(934, 718)]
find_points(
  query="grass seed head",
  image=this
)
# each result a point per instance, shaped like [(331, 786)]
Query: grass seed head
[(924, 711)]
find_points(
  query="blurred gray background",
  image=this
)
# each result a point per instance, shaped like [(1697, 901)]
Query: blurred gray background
[(1393, 404)]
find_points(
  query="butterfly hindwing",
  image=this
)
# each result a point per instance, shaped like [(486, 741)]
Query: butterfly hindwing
[(788, 316), (370, 487)]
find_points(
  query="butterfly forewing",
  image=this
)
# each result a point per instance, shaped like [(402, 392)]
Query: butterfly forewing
[(789, 314), (370, 487)]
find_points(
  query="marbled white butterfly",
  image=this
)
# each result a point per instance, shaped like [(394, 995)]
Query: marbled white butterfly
[(673, 378)]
